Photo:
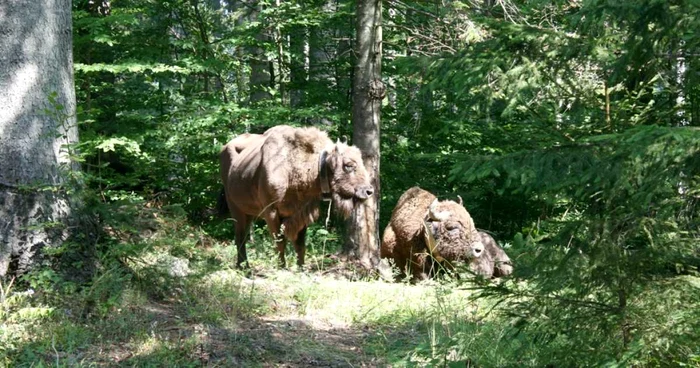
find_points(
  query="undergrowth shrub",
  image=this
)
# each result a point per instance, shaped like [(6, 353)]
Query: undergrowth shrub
[(592, 280)]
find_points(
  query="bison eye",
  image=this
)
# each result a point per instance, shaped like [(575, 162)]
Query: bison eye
[(451, 227), (349, 167)]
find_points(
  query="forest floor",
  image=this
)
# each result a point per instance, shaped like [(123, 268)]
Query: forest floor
[(282, 319), (285, 320), (178, 303)]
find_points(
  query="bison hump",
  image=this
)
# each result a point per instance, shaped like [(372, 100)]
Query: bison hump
[(309, 140)]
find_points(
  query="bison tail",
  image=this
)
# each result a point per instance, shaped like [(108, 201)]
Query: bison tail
[(221, 204)]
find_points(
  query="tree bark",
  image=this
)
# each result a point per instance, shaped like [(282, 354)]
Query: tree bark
[(37, 121), (368, 91)]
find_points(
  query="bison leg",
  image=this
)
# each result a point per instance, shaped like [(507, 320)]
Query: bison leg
[(242, 230), (401, 264), (274, 225), (281, 245), (418, 267), (300, 247)]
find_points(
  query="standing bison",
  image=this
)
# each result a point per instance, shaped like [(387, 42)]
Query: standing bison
[(427, 235), (281, 176)]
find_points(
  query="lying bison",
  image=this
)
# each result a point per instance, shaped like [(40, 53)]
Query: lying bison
[(427, 235), (281, 176)]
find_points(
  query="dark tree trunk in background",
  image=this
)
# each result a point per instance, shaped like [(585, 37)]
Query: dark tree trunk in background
[(299, 65), (322, 57), (36, 77), (322, 51), (251, 86), (368, 91), (260, 66), (242, 78)]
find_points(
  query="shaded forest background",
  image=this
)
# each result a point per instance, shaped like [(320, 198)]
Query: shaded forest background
[(571, 129)]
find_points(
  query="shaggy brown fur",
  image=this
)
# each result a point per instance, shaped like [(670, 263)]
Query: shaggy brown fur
[(493, 262), (417, 217), (276, 176)]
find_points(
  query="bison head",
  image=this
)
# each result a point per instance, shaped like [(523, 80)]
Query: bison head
[(347, 177), (450, 233)]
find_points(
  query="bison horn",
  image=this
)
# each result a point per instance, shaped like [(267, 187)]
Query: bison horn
[(344, 139), (461, 203)]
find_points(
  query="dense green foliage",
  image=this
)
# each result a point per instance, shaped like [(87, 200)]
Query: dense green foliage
[(570, 128), (600, 107)]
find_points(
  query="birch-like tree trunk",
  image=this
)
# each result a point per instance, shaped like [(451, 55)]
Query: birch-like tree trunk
[(368, 91), (37, 121)]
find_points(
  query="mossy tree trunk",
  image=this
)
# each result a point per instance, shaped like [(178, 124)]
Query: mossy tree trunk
[(37, 122)]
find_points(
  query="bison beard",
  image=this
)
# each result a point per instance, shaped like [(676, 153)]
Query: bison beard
[(281, 176), (344, 206)]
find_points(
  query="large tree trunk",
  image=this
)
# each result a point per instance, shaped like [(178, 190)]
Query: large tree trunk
[(37, 121), (368, 92)]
